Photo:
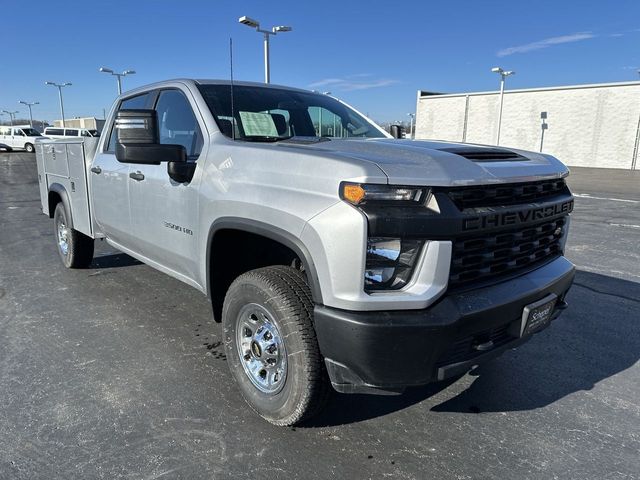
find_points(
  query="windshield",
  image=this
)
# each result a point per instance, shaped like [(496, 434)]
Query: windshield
[(31, 132), (272, 114)]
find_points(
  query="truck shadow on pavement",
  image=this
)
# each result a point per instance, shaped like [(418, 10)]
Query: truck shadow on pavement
[(596, 338), (114, 260)]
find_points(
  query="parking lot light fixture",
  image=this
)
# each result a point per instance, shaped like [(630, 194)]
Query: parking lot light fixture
[(29, 104), (503, 74), (250, 22), (117, 75), (12, 115), (59, 86)]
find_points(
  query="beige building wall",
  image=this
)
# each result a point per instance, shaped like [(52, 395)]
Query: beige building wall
[(587, 125)]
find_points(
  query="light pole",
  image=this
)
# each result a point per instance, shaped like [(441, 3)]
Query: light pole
[(60, 85), (503, 74), (12, 115), (29, 104), (411, 116), (117, 75), (250, 22)]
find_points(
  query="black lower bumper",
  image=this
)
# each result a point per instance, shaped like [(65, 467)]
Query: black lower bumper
[(384, 352)]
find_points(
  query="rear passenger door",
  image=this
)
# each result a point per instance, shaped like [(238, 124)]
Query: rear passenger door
[(164, 212), (110, 184)]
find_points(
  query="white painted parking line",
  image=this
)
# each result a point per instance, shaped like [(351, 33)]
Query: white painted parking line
[(586, 195), (624, 225)]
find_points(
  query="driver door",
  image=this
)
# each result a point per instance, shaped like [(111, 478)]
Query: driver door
[(164, 213)]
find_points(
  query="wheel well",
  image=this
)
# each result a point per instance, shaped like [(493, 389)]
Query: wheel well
[(234, 252), (53, 199)]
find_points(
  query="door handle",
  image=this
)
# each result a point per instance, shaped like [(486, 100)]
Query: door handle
[(136, 176), (97, 170)]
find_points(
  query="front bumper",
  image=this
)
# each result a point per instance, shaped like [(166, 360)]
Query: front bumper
[(386, 351)]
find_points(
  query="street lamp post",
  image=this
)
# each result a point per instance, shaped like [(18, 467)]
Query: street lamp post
[(12, 115), (250, 22), (411, 116), (60, 85), (117, 75), (29, 104), (503, 74)]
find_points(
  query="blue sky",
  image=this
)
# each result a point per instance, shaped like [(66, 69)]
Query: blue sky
[(373, 54)]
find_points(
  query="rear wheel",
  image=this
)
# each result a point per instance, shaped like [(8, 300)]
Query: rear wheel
[(75, 248), (29, 148), (271, 345)]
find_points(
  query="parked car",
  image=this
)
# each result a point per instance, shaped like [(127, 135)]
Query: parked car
[(56, 132), (19, 137), (333, 254)]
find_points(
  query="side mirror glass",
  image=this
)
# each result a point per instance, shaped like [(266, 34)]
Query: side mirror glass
[(137, 131)]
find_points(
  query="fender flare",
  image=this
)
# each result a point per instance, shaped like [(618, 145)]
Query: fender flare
[(64, 197), (273, 233)]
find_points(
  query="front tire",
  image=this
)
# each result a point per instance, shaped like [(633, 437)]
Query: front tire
[(271, 345), (29, 148), (75, 248)]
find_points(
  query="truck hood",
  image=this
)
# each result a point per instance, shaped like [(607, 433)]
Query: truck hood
[(411, 162)]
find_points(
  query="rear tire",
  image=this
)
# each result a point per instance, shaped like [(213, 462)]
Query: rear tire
[(29, 148), (75, 248), (271, 345)]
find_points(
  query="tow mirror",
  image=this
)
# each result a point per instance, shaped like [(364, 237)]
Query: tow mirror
[(137, 132)]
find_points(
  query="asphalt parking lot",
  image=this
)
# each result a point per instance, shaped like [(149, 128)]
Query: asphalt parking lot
[(118, 371)]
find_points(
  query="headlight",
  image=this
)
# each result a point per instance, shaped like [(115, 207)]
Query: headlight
[(360, 194), (390, 262)]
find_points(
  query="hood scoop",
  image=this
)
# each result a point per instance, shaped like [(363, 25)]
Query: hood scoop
[(476, 154)]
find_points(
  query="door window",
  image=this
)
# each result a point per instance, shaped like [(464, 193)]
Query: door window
[(70, 133), (177, 124)]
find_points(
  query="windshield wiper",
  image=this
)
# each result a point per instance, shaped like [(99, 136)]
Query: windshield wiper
[(264, 138)]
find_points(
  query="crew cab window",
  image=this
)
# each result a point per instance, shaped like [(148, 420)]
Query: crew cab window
[(177, 124), (139, 101), (70, 133), (54, 131)]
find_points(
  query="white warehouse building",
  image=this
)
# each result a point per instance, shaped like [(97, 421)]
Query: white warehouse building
[(583, 125)]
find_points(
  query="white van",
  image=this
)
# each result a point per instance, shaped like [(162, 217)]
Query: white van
[(19, 136), (56, 132)]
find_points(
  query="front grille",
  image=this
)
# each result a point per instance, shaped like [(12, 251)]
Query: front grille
[(502, 195), (464, 349), (492, 255)]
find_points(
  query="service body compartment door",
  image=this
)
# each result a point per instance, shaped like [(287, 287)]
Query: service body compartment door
[(42, 177), (78, 188)]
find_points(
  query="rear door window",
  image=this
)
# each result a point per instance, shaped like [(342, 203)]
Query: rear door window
[(54, 131), (70, 132)]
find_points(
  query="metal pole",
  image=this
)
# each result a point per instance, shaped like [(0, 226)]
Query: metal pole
[(61, 103), (119, 85), (267, 75), (30, 116), (411, 136), (500, 112)]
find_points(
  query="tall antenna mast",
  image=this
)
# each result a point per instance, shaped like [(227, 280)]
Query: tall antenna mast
[(233, 115)]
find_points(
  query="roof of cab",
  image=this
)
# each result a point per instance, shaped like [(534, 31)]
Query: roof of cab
[(196, 82)]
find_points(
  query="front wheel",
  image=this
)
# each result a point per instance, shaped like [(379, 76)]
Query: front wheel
[(29, 148), (271, 345), (75, 248)]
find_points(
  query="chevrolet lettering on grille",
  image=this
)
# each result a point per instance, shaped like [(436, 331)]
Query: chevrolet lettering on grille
[(495, 220)]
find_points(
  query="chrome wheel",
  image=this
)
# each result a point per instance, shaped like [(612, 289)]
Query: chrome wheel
[(63, 238), (261, 349)]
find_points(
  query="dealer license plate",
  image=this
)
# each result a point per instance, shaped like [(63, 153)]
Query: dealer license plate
[(537, 315)]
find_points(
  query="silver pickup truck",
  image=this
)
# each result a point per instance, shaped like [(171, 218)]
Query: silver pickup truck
[(333, 254)]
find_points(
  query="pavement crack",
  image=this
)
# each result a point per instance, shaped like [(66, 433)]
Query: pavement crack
[(595, 290)]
